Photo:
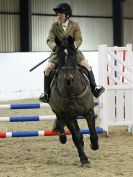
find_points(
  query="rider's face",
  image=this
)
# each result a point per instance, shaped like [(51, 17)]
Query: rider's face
[(61, 17)]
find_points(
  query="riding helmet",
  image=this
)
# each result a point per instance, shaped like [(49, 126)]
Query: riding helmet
[(63, 8)]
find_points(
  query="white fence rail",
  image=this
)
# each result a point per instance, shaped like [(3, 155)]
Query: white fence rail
[(116, 75)]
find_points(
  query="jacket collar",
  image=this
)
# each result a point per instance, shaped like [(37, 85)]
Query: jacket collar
[(69, 26)]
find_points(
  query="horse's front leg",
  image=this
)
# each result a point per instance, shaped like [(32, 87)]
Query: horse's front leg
[(59, 126), (78, 141), (90, 118), (80, 134)]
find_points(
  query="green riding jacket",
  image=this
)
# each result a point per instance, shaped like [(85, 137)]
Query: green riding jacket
[(73, 30)]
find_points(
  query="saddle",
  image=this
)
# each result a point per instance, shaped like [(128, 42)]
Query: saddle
[(81, 69)]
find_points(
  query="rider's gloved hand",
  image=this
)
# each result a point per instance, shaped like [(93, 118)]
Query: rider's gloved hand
[(59, 50)]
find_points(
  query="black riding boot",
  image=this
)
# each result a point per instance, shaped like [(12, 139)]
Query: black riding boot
[(45, 96), (96, 90)]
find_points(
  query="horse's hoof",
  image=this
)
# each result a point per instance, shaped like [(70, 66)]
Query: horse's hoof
[(94, 146), (62, 138), (85, 164)]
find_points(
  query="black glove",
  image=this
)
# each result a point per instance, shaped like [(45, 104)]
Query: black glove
[(59, 50)]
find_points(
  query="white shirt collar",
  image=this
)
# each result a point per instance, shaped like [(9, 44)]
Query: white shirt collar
[(65, 24)]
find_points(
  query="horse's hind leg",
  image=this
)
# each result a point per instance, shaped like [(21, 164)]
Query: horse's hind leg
[(90, 117), (78, 141)]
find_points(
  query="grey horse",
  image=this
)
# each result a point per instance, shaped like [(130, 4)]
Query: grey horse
[(71, 96)]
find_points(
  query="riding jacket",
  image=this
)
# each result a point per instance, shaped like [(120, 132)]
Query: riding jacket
[(57, 30)]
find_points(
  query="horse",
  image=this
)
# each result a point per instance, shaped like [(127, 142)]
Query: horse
[(71, 96)]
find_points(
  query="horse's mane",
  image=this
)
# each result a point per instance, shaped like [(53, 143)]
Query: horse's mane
[(66, 52)]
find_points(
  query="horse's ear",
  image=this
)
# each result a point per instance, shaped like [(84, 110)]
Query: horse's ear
[(57, 41), (70, 39)]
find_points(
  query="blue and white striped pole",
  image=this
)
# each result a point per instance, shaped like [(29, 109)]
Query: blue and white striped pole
[(42, 133), (32, 118), (28, 106)]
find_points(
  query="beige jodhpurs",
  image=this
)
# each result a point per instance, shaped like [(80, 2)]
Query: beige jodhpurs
[(53, 60), (51, 65)]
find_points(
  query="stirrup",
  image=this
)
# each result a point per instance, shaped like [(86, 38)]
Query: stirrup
[(98, 91), (44, 97)]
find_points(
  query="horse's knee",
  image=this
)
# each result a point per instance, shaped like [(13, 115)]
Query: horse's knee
[(58, 125), (90, 114), (78, 138)]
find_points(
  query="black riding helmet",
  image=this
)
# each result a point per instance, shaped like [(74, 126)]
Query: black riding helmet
[(63, 8)]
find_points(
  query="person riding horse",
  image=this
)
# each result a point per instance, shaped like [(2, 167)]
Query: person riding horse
[(62, 28)]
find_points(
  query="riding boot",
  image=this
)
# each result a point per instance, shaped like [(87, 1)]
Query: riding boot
[(45, 96), (96, 90)]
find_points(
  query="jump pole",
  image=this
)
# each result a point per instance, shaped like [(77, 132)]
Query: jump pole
[(28, 106), (33, 118), (42, 133), (24, 106)]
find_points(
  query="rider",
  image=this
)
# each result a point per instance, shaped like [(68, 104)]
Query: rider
[(60, 29)]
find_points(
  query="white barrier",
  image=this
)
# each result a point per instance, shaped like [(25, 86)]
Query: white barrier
[(116, 75), (17, 82)]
